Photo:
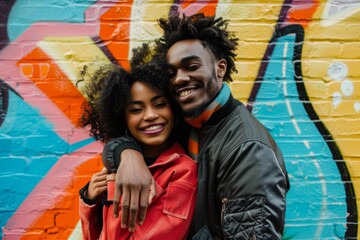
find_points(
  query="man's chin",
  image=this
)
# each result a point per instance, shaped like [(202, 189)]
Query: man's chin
[(194, 112)]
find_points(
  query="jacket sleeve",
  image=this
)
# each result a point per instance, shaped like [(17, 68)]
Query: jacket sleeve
[(252, 187), (113, 148), (90, 216), (172, 209)]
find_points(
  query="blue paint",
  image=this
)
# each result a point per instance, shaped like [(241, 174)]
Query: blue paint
[(80, 144), (24, 13), (29, 148), (316, 202)]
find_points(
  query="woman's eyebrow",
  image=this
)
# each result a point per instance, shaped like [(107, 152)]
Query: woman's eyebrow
[(157, 97), (152, 100)]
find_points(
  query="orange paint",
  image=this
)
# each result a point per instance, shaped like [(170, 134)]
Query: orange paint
[(49, 78), (27, 70), (185, 4), (210, 8), (58, 221), (115, 31), (303, 16)]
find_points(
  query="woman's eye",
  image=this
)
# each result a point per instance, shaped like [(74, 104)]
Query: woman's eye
[(135, 110), (171, 73), (161, 104)]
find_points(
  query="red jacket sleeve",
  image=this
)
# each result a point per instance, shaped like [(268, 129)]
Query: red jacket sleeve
[(172, 209), (171, 213), (90, 222)]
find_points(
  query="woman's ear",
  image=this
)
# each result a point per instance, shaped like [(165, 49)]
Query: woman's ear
[(221, 68)]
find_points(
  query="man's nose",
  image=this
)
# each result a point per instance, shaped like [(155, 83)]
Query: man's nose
[(181, 77)]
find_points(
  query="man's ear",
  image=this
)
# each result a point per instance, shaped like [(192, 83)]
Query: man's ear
[(221, 65)]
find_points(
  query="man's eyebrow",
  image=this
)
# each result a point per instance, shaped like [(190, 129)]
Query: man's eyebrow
[(186, 59)]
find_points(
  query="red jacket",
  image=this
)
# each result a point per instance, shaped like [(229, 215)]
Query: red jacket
[(170, 213)]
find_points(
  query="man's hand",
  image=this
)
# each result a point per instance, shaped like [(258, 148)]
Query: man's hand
[(136, 185)]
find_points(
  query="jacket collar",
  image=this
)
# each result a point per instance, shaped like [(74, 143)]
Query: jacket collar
[(170, 154), (224, 111)]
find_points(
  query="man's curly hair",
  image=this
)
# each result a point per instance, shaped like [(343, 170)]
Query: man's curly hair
[(109, 93), (211, 31)]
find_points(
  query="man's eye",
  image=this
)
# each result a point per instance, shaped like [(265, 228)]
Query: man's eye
[(193, 67)]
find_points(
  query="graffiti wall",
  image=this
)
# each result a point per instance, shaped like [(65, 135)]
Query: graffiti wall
[(298, 72)]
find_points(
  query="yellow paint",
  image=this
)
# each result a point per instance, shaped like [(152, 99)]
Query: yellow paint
[(335, 39), (144, 15), (253, 23), (72, 54)]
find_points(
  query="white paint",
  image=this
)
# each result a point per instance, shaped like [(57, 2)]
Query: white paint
[(324, 202), (338, 10), (347, 88), (336, 99), (287, 101), (77, 232), (337, 71), (357, 107), (307, 144)]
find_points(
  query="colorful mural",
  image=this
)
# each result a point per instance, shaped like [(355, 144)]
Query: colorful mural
[(298, 72)]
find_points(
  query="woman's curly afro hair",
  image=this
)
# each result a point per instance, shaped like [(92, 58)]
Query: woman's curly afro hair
[(108, 93)]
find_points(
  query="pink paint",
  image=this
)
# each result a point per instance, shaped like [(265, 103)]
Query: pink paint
[(54, 184), (10, 73), (192, 8)]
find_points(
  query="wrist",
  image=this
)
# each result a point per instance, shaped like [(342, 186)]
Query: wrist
[(113, 151), (87, 196), (84, 195)]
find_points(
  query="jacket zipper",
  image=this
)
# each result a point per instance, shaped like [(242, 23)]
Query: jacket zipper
[(223, 208)]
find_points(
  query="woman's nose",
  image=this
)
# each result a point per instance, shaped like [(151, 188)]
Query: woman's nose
[(150, 114)]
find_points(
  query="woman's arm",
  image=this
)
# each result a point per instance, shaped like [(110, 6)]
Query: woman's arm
[(90, 208)]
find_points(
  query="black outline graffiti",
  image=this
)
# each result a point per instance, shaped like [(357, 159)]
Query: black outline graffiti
[(5, 8), (298, 31), (4, 100)]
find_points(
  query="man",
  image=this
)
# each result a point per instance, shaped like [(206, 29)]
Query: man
[(242, 176)]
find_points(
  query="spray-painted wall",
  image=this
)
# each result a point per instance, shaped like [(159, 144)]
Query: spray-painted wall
[(298, 72)]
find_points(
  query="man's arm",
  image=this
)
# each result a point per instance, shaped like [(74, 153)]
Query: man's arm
[(134, 181), (252, 187), (172, 209)]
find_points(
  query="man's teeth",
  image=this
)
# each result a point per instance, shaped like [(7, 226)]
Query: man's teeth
[(152, 128), (186, 92)]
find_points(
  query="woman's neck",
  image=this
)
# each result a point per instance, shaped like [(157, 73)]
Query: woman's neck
[(155, 151)]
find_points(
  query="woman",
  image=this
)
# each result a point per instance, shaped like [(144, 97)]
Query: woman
[(137, 103)]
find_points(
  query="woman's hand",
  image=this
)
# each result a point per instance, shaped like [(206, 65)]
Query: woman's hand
[(97, 185)]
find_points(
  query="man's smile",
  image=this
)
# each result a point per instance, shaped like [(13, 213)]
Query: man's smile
[(186, 92)]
